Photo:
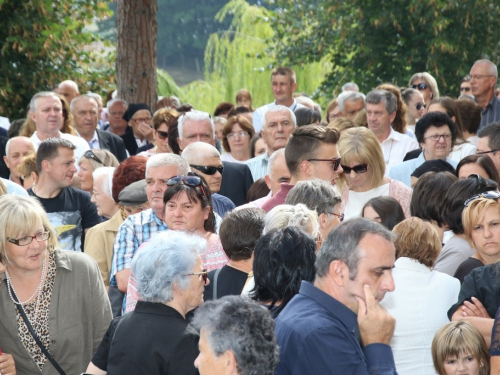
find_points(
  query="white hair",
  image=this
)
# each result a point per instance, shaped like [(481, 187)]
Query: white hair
[(491, 66), (196, 116), (272, 160), (81, 97), (199, 150), (107, 180), (42, 94), (112, 102), (96, 97), (279, 108), (286, 215), (7, 146), (165, 160), (350, 86), (349, 96), (304, 100)]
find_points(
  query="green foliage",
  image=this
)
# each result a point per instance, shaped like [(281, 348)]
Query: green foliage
[(43, 42), (371, 42), (167, 85)]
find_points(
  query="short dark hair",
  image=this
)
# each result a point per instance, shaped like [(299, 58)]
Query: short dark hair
[(239, 232), (492, 131), (282, 259), (239, 110), (253, 141), (49, 150), (388, 209), (223, 108), (453, 204), (428, 195), (437, 119), (484, 161), (306, 116), (305, 142), (470, 112), (284, 71), (258, 189)]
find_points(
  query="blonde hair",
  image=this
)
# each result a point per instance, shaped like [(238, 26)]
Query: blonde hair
[(286, 215), (28, 165), (108, 159), (474, 213)]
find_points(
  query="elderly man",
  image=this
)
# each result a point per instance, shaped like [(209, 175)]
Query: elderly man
[(85, 113), (116, 123), (483, 79), (204, 159), (283, 84), (279, 123), (380, 112), (15, 150), (68, 89), (336, 325), (235, 338), (351, 103)]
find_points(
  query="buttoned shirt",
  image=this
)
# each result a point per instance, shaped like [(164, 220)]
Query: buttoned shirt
[(258, 165), (395, 148), (94, 142), (491, 113), (258, 115), (319, 335)]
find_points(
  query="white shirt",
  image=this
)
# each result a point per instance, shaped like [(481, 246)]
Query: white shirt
[(458, 152), (94, 142), (229, 158), (395, 147), (357, 200), (4, 123), (258, 115)]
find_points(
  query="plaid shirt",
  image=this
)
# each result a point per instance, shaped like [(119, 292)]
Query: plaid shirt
[(134, 231), (258, 166)]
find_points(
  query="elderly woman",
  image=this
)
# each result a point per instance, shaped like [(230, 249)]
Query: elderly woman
[(415, 107), (236, 136), (57, 296), (90, 161), (421, 300), (139, 131), (436, 133), (363, 176), (236, 338), (161, 120), (426, 84), (230, 279), (481, 165), (152, 339)]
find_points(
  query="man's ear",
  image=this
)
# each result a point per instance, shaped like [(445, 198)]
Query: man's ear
[(46, 165), (323, 220), (6, 160), (339, 272), (179, 142), (229, 362), (267, 179), (305, 167)]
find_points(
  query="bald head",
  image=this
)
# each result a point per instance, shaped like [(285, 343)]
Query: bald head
[(68, 89), (204, 159), (198, 152), (15, 150)]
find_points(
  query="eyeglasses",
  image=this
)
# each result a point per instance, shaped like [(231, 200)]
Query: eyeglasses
[(420, 105), (208, 170), (361, 168), (465, 89), (162, 135), (89, 154), (420, 86), (242, 134), (437, 137), (340, 216), (26, 240), (479, 76), (203, 274), (335, 161), (193, 181), (144, 119), (486, 152), (488, 195)]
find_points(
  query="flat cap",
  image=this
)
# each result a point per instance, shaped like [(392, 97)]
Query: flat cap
[(134, 194)]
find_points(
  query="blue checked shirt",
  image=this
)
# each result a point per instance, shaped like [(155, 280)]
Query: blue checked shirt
[(258, 166), (134, 231)]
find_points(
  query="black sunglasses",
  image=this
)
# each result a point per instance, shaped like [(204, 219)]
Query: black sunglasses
[(420, 86), (208, 170), (89, 154), (162, 135), (420, 105), (361, 168), (193, 181), (488, 195), (335, 161)]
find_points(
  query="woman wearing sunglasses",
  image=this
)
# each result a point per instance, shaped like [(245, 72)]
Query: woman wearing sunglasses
[(152, 339), (363, 177), (89, 162), (236, 136), (426, 84), (161, 120), (415, 107)]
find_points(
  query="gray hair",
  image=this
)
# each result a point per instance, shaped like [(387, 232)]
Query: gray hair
[(317, 107), (96, 97), (199, 150), (286, 215), (81, 97), (196, 116), (492, 68), (164, 261), (114, 101), (42, 94), (342, 244), (245, 328), (8, 144), (350, 86), (220, 120), (316, 194), (349, 96), (305, 101), (279, 108), (164, 159), (107, 181), (382, 96), (272, 160)]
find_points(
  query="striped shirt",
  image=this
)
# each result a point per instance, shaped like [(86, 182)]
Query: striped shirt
[(258, 165), (491, 113)]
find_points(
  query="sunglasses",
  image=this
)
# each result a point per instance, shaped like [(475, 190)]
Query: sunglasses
[(420, 86), (90, 155), (335, 161), (488, 195), (162, 135), (421, 105), (203, 274), (208, 170), (340, 216), (467, 89), (361, 168), (193, 181)]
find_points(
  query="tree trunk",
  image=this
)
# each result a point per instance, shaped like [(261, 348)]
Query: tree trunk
[(137, 31)]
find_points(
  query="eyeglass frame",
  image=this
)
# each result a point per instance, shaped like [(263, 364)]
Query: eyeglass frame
[(479, 76), (162, 135), (203, 274), (348, 170), (420, 86), (142, 120), (486, 152), (16, 241), (492, 194), (420, 105), (92, 156), (203, 169), (341, 216), (336, 161), (242, 134), (446, 137)]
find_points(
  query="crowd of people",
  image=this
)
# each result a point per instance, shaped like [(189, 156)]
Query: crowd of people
[(274, 240)]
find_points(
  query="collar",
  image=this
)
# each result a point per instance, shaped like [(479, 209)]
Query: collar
[(114, 222), (37, 140), (293, 107), (412, 264), (63, 259), (157, 309), (95, 137), (148, 216), (394, 135)]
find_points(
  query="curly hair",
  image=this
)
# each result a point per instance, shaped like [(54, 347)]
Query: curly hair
[(130, 170)]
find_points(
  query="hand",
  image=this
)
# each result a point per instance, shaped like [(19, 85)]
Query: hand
[(376, 325), (474, 308), (7, 364), (147, 131)]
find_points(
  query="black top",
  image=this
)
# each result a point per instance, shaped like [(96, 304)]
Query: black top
[(236, 180), (484, 284), (149, 340), (230, 282), (112, 143), (466, 267)]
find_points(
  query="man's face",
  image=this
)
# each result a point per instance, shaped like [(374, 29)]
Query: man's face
[(379, 120), (61, 169), (196, 131), (351, 108), (324, 169), (375, 269), (277, 130), (465, 88), (18, 149), (280, 174), (283, 88), (68, 92), (482, 146), (48, 115), (482, 83), (85, 113), (213, 180), (156, 179), (207, 362), (115, 116)]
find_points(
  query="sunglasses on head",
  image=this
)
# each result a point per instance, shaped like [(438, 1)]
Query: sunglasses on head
[(208, 170), (420, 86), (89, 154), (193, 181), (361, 168), (488, 195), (420, 105), (162, 135)]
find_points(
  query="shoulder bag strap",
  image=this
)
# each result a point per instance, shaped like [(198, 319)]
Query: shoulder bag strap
[(216, 276)]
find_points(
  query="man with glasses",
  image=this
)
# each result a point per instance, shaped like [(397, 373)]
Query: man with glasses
[(483, 78), (465, 86), (85, 113), (489, 143)]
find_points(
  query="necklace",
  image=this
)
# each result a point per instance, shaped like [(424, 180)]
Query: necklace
[(10, 287), (390, 151)]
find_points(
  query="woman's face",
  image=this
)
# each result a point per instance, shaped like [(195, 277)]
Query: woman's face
[(218, 130), (464, 364), (427, 93), (334, 113), (161, 136), (181, 214), (26, 258), (440, 148), (238, 142), (358, 181), (85, 174), (414, 113), (194, 293), (260, 147), (371, 214), (471, 168), (486, 234)]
